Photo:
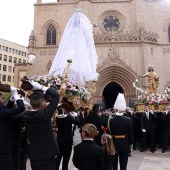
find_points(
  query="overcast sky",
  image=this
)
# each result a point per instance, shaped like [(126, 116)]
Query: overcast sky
[(16, 20)]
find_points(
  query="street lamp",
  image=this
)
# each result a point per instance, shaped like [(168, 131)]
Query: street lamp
[(31, 59)]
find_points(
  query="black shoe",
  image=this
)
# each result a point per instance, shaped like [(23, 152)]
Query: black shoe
[(163, 150), (129, 154), (134, 148)]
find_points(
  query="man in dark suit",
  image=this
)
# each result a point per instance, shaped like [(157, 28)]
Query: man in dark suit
[(148, 126), (121, 130), (166, 134), (96, 119), (16, 129), (43, 147), (6, 114), (88, 155), (65, 137)]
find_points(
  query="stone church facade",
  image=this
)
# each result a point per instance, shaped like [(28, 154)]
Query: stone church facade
[(129, 35)]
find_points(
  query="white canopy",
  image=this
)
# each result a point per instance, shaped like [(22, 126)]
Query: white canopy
[(77, 43)]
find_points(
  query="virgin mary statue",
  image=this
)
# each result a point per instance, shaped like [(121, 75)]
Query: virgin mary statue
[(77, 44)]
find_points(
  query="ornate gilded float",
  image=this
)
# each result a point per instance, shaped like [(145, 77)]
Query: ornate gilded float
[(157, 102), (154, 107)]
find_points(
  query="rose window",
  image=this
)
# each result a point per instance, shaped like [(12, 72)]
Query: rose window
[(111, 23)]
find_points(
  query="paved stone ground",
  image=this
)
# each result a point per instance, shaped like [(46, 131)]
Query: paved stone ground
[(138, 161)]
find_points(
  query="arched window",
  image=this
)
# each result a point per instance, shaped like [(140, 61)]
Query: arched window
[(169, 33), (51, 36)]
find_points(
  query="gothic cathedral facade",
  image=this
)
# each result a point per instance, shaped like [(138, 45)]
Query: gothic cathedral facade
[(129, 35)]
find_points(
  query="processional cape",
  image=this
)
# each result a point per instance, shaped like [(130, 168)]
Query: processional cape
[(74, 64)]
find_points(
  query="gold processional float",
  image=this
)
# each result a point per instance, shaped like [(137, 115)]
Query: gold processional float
[(72, 95), (156, 101)]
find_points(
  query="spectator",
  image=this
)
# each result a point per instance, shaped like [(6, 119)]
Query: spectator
[(88, 155), (109, 151)]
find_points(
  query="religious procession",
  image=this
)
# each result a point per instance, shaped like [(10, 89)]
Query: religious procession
[(43, 113)]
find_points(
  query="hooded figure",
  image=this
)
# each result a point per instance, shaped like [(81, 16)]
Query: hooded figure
[(121, 131)]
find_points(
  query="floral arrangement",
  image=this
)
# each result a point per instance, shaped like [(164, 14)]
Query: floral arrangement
[(72, 88), (154, 99), (50, 81)]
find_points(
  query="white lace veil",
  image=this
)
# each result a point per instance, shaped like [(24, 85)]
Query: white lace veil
[(77, 43)]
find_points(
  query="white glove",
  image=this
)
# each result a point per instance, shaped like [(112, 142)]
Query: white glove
[(13, 90), (37, 86), (12, 99), (143, 130), (151, 111), (166, 112), (16, 97)]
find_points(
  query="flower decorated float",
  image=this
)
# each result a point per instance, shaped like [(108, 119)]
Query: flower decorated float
[(73, 66), (72, 95), (156, 101)]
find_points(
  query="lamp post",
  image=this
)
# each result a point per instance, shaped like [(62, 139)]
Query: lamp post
[(31, 59)]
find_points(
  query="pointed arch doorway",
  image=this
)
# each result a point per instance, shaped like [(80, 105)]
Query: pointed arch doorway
[(110, 93)]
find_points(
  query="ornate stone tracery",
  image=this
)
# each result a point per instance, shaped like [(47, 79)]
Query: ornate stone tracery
[(126, 37)]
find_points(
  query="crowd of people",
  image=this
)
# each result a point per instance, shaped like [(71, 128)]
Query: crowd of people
[(45, 133)]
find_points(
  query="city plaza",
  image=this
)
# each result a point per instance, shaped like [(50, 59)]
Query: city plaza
[(128, 35)]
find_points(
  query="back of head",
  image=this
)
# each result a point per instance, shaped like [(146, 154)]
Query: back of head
[(36, 99), (128, 109), (96, 109), (90, 130), (108, 144)]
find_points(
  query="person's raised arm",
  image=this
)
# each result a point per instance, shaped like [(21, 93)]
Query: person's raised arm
[(9, 111)]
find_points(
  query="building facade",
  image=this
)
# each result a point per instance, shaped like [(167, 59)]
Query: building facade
[(10, 54), (129, 35)]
